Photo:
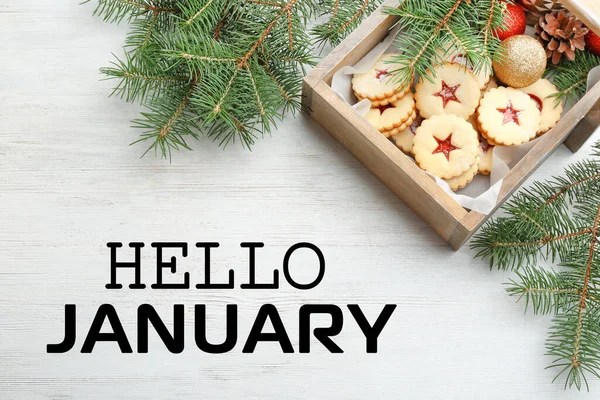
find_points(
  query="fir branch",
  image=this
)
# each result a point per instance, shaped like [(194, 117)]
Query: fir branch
[(570, 77), (117, 10), (139, 78), (199, 12), (344, 17), (441, 26), (557, 220), (545, 291), (246, 57)]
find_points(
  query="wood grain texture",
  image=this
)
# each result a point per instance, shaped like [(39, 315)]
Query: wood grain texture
[(69, 183)]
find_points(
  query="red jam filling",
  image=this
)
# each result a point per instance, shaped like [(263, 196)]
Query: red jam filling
[(445, 146), (485, 146), (509, 114), (381, 73), (462, 60), (448, 93), (538, 102), (383, 108), (416, 123)]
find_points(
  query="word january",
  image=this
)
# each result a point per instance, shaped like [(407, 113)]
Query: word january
[(174, 339)]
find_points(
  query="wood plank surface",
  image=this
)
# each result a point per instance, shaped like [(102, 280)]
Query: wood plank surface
[(70, 183)]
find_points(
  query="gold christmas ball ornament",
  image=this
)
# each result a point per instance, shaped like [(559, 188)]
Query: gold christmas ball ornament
[(522, 61)]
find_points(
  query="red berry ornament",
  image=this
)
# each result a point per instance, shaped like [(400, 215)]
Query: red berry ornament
[(514, 20), (592, 42)]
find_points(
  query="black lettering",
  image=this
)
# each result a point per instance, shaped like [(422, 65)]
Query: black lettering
[(230, 335), (70, 332), (323, 335), (147, 315), (371, 332), (106, 311), (252, 270), (172, 265), (135, 264), (207, 284), (257, 335), (286, 266)]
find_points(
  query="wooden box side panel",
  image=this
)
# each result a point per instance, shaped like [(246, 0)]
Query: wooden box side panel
[(381, 157)]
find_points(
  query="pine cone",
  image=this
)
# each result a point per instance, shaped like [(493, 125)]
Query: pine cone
[(534, 9), (561, 34)]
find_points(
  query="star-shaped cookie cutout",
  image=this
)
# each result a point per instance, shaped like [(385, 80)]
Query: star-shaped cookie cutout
[(445, 146), (381, 73), (448, 93), (509, 114)]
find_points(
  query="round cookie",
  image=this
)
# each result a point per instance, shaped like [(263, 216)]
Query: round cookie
[(507, 117), (445, 146), (464, 179), (405, 125), (452, 55), (492, 84), (392, 116), (404, 139), (486, 153), (550, 111), (378, 84), (453, 89)]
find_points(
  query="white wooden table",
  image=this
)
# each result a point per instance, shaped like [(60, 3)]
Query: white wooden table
[(69, 183)]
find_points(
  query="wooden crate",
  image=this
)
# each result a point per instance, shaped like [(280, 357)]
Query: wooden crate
[(418, 190)]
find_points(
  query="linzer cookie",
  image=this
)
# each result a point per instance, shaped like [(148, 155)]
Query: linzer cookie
[(378, 84), (405, 125), (404, 139), (391, 118), (550, 111), (464, 179), (450, 89), (507, 117), (446, 146), (483, 75)]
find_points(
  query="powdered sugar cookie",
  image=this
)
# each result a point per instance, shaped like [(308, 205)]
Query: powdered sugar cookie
[(378, 84), (508, 117), (392, 116), (452, 55), (464, 179), (550, 112), (486, 152), (404, 139), (446, 146), (454, 90)]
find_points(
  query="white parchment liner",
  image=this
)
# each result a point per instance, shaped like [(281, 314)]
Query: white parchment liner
[(480, 195)]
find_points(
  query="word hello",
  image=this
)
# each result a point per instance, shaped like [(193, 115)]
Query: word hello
[(174, 340)]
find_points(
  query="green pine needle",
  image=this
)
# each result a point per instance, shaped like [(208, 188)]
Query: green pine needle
[(438, 27), (227, 69), (559, 221), (570, 77)]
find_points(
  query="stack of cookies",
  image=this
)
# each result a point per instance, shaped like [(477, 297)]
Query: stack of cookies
[(392, 107), (455, 117)]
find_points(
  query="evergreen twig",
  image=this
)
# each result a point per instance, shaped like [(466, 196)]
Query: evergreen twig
[(557, 220), (441, 27), (570, 77), (227, 68)]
